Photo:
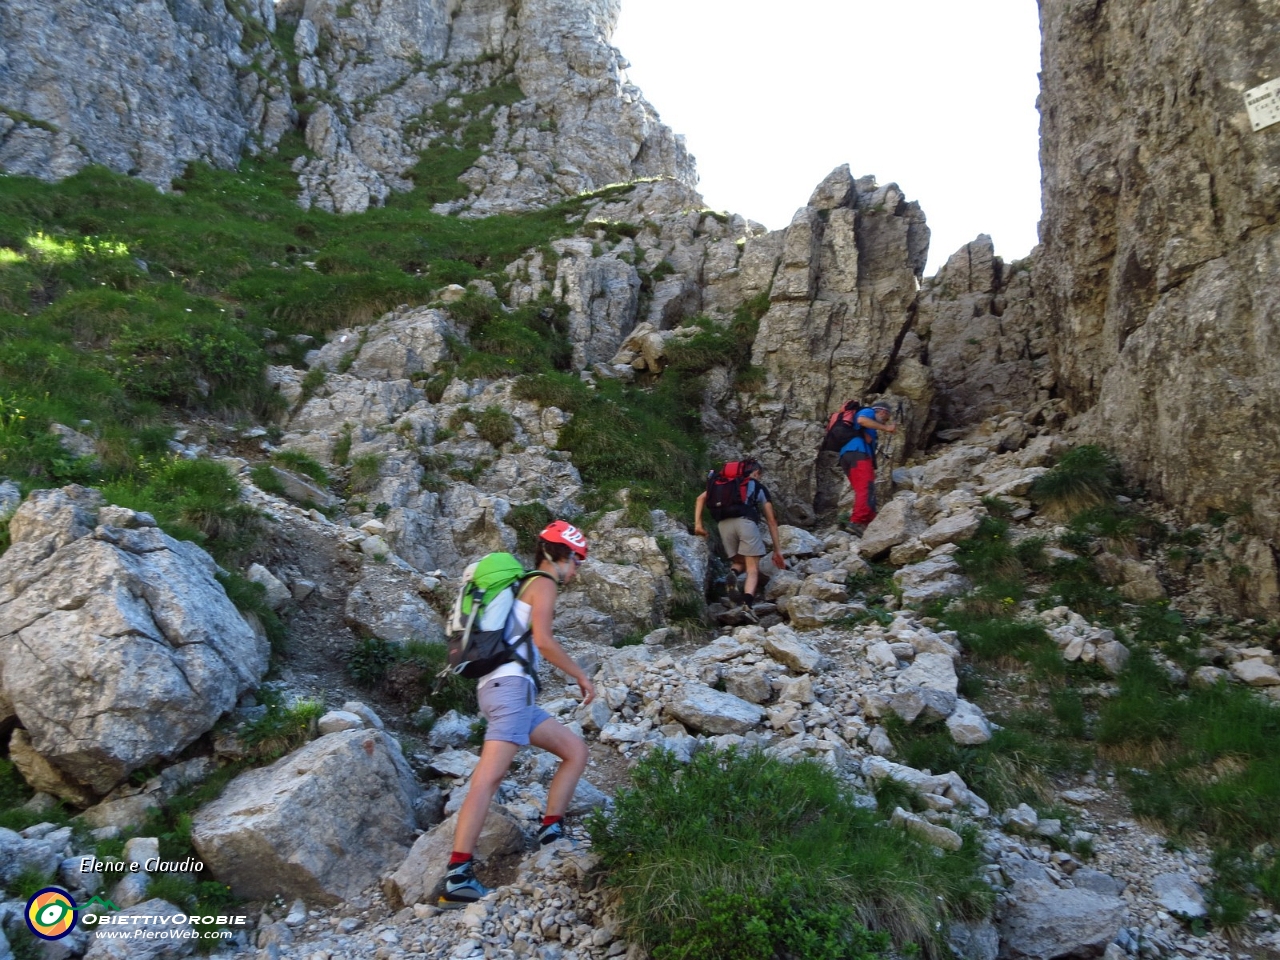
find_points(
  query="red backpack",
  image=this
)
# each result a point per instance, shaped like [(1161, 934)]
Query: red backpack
[(727, 490), (842, 427)]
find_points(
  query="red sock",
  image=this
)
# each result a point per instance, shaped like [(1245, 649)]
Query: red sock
[(548, 821), (457, 858)]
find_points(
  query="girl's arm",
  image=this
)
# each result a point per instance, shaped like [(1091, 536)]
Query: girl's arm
[(541, 597)]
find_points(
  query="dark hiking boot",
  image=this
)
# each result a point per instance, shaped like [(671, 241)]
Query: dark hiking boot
[(550, 833), (857, 529), (461, 888)]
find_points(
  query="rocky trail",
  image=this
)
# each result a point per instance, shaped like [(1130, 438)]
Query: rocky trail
[(805, 683)]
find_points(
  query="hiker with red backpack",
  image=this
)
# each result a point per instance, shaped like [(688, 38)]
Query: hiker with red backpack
[(736, 498), (506, 691), (853, 431)]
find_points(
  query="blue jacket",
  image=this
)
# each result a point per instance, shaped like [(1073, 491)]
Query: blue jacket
[(866, 439)]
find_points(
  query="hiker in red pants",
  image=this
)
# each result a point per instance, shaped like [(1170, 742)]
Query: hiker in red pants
[(858, 461)]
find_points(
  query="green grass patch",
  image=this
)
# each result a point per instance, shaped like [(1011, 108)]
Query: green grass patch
[(719, 344), (411, 673), (988, 555), (365, 472), (873, 583), (283, 728), (1083, 477), (251, 598), (1013, 767), (496, 426), (1209, 758), (197, 500), (648, 439), (302, 463), (991, 639), (528, 520), (736, 842)]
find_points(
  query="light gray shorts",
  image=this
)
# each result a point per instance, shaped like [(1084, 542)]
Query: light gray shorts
[(507, 703), (741, 537)]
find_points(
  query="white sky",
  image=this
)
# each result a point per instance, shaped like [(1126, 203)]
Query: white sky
[(935, 95)]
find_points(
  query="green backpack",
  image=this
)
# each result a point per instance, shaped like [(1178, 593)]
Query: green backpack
[(482, 612)]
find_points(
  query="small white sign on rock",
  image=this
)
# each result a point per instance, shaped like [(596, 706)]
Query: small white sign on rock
[(1263, 104)]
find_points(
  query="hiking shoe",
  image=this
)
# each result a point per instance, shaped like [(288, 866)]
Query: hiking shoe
[(461, 888), (550, 833), (857, 529)]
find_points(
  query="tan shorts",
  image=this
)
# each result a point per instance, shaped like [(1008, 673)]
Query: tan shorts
[(741, 537)]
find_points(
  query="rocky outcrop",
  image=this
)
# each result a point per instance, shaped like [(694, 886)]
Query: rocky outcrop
[(141, 87), (842, 300), (322, 823), (1159, 243), (988, 352), (119, 648), (542, 75)]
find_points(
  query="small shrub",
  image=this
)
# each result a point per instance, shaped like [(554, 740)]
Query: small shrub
[(265, 480), (988, 555), (1084, 477), (496, 426), (1030, 554), (197, 500), (875, 582), (342, 446), (365, 472), (282, 728), (997, 507), (299, 462), (312, 382), (28, 882), (369, 659), (528, 520), (250, 597), (444, 690)]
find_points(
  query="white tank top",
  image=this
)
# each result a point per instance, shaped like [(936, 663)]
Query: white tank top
[(521, 614)]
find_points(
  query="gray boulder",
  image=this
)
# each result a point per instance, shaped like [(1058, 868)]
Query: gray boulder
[(930, 579), (421, 872), (387, 603), (1180, 895), (792, 652), (896, 523), (1041, 921), (321, 824), (704, 710), (19, 853), (119, 646)]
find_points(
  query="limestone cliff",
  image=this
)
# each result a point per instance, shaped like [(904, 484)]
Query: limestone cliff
[(1160, 249), (390, 79), (144, 88), (987, 346), (141, 87)]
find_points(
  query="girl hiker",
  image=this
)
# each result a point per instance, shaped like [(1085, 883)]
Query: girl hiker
[(506, 698)]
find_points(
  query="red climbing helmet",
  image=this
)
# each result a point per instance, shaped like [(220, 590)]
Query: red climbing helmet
[(561, 531)]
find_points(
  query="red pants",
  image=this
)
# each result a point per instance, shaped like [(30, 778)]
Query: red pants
[(861, 471)]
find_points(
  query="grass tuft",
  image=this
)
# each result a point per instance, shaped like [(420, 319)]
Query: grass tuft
[(1084, 477), (783, 848)]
